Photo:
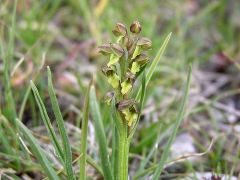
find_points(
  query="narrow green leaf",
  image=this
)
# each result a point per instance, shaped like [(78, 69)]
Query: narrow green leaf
[(175, 128), (38, 152), (83, 147), (100, 135), (155, 63), (47, 121), (60, 122), (117, 125), (143, 87)]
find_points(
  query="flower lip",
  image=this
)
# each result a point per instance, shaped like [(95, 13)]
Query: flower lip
[(135, 27), (120, 30), (134, 109), (108, 71)]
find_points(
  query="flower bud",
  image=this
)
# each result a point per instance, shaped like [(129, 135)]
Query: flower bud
[(120, 30), (105, 49), (135, 27), (144, 43)]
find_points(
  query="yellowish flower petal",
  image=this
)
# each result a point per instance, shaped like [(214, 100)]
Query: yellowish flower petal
[(126, 86), (114, 81), (135, 68), (129, 116), (113, 59)]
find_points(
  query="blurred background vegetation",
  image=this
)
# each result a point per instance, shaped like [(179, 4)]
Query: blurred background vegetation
[(65, 35)]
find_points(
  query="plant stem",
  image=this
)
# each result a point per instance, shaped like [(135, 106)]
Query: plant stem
[(123, 153)]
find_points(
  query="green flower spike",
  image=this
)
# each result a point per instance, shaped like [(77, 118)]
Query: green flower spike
[(139, 62), (116, 55), (113, 78), (127, 84)]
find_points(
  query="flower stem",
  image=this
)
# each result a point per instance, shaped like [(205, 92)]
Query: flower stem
[(123, 154)]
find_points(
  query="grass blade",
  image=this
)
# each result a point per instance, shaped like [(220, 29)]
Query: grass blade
[(47, 122), (38, 152), (175, 128), (100, 134), (83, 148), (7, 56), (155, 63), (60, 122)]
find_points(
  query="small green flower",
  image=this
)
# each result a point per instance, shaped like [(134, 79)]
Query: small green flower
[(139, 62), (143, 44), (117, 53), (113, 78), (127, 84), (108, 97), (129, 110)]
